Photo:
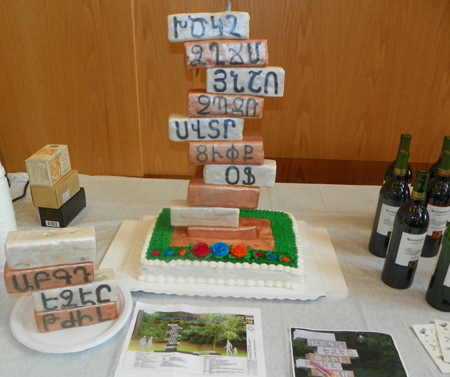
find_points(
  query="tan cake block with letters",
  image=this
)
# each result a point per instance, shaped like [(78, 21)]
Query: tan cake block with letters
[(265, 82), (248, 151), (223, 53), (75, 317), (203, 195), (37, 279), (181, 214), (205, 104), (184, 27), (245, 231)]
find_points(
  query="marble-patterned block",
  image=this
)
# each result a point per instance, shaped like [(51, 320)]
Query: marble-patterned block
[(185, 27), (248, 151), (201, 103), (103, 289), (202, 195), (181, 214), (264, 82), (226, 53), (185, 128), (50, 247), (241, 175), (75, 317)]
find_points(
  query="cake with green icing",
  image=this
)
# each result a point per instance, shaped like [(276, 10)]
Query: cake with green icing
[(224, 262)]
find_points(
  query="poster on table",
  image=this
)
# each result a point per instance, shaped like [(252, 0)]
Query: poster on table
[(344, 354), (190, 341)]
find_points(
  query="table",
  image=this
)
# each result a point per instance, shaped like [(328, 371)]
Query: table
[(346, 211)]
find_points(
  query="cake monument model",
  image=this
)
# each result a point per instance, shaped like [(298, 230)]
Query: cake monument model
[(218, 235)]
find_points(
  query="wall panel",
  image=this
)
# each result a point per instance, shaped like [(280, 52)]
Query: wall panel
[(102, 77), (68, 76)]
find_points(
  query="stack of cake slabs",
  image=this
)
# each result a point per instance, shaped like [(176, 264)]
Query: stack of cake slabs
[(57, 267), (238, 80)]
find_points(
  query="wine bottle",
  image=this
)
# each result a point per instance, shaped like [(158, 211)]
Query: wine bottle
[(391, 197), (407, 238), (405, 141), (445, 148), (438, 292), (438, 206)]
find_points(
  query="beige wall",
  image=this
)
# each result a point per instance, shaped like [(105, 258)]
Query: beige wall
[(100, 76)]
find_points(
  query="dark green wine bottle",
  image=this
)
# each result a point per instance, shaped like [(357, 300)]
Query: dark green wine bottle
[(438, 292), (392, 195), (405, 141), (445, 148), (408, 237), (438, 206)]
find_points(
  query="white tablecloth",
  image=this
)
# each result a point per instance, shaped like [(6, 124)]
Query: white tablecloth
[(346, 211)]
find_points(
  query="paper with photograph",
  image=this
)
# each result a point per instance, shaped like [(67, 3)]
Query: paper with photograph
[(185, 340), (344, 354)]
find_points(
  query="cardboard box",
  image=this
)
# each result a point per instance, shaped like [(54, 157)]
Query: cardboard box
[(48, 165), (57, 195), (61, 217)]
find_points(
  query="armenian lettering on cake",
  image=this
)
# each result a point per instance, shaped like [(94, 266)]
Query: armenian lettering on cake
[(203, 26), (208, 54), (266, 82), (74, 297), (206, 104), (76, 317), (247, 151), (241, 175), (184, 128), (35, 279)]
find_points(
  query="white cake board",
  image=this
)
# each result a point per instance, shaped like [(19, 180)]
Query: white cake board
[(323, 275)]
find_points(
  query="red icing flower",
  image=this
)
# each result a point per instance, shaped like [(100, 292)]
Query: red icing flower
[(182, 253), (201, 250), (259, 255), (239, 251), (156, 253), (286, 260)]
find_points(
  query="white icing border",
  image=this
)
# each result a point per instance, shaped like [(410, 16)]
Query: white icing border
[(297, 272)]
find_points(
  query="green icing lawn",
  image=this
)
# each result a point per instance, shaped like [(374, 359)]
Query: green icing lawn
[(285, 251)]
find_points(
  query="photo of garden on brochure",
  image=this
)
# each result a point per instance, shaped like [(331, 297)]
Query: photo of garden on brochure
[(344, 354), (184, 340)]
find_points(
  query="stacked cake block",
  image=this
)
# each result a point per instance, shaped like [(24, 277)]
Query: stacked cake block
[(55, 187), (238, 79), (57, 267)]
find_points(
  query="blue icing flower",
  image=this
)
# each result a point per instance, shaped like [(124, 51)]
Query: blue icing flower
[(272, 256), (169, 252), (220, 249)]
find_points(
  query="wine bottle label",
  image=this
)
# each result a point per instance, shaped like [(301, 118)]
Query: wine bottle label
[(386, 220), (438, 220), (410, 248)]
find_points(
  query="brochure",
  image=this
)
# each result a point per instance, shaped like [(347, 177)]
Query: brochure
[(185, 341), (344, 354)]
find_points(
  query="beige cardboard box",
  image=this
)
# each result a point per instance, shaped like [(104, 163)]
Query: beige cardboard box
[(57, 195), (48, 165)]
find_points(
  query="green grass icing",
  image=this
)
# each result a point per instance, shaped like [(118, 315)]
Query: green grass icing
[(285, 245)]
